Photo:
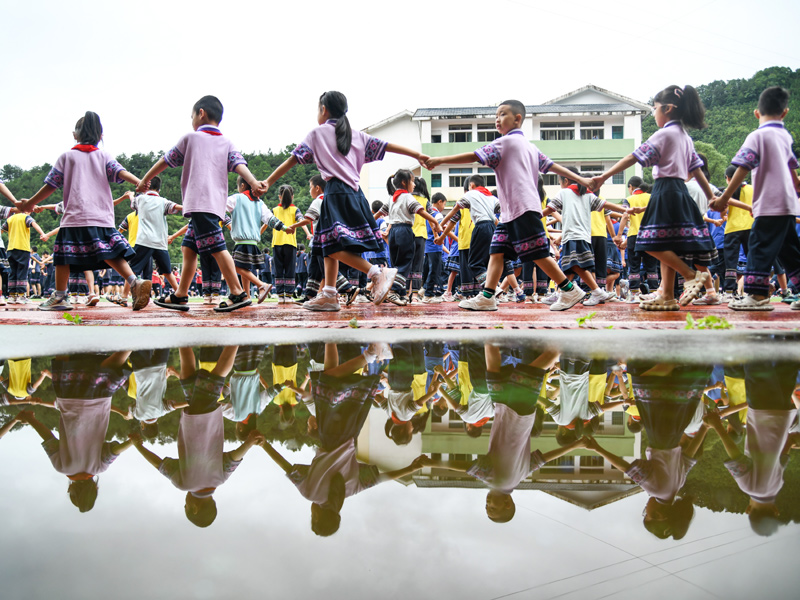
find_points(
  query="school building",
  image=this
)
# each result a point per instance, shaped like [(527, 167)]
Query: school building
[(589, 128)]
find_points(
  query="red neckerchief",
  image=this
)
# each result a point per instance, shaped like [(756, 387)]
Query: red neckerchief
[(637, 191), (80, 477), (85, 147), (397, 421), (397, 194), (249, 195), (482, 422), (574, 188), (484, 191), (151, 193), (210, 130)]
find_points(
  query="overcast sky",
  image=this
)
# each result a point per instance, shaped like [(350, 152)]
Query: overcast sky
[(142, 65)]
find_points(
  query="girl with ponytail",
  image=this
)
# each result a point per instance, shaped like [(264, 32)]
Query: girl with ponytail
[(672, 228), (284, 244), (346, 227)]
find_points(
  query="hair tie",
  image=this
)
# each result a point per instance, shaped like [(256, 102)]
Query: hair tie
[(678, 92)]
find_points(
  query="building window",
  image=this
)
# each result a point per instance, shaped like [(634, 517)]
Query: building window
[(592, 130), (487, 132), (557, 131), (593, 169), (617, 132), (460, 133), (618, 179), (489, 177), (436, 138), (458, 176), (550, 179), (617, 417), (436, 180)]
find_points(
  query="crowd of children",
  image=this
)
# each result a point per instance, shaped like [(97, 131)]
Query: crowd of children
[(322, 393), (670, 235)]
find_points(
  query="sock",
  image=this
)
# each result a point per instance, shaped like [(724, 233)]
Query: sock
[(329, 291), (488, 292), (565, 285), (131, 279), (59, 293), (373, 272), (518, 291)]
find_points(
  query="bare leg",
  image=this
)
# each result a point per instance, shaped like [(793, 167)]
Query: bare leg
[(187, 361), (551, 269), (450, 281), (610, 281), (225, 262), (494, 270), (62, 278), (225, 361), (587, 277), (187, 272), (248, 276), (669, 258)]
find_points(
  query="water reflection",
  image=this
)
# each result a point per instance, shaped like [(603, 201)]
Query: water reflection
[(589, 430)]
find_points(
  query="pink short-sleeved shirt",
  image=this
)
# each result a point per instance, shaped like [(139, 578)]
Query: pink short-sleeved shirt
[(87, 196), (319, 147), (670, 151), (517, 164), (767, 152), (206, 157)]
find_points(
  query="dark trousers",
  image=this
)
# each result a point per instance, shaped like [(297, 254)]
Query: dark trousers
[(401, 250), (18, 277), (771, 238), (600, 251), (416, 266), (638, 261), (434, 273), (733, 242), (479, 247), (285, 261)]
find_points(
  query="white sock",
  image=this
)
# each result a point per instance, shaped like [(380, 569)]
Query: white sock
[(329, 291), (518, 290), (373, 272)]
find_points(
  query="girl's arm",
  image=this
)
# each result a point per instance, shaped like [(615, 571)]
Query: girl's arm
[(118, 448), (127, 195), (737, 180), (8, 426), (430, 219), (697, 441), (26, 416), (130, 178), (447, 233), (395, 149), (177, 234), (151, 457), (739, 204), (415, 466), (616, 461), (7, 193), (615, 208), (713, 421), (276, 456), (704, 185), (455, 159), (559, 452), (158, 168), (255, 437), (599, 180), (450, 465), (43, 194), (282, 170), (38, 229)]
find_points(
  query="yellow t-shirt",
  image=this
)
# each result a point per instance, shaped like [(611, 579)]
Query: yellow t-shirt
[(288, 216), (738, 218), (636, 201), (419, 226), (598, 223), (465, 227), (737, 395), (597, 388), (19, 234), (464, 382), (133, 228), (19, 375), (281, 374)]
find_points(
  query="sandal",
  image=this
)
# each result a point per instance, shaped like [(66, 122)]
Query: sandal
[(174, 302), (233, 303), (263, 292), (695, 288), (660, 304)]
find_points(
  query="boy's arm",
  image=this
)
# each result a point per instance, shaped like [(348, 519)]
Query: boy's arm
[(177, 234), (130, 178), (740, 204), (7, 193), (713, 421), (396, 149), (559, 452), (26, 205), (616, 461), (255, 184), (455, 159), (431, 219), (599, 180), (118, 448), (9, 426), (415, 466), (27, 416), (567, 174), (795, 179), (697, 441), (284, 168), (737, 180), (255, 437), (158, 168), (126, 196), (38, 229), (450, 465)]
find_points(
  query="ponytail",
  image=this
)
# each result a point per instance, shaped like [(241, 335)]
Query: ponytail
[(286, 193), (401, 179), (336, 103), (89, 129), (390, 185), (689, 109), (421, 188)]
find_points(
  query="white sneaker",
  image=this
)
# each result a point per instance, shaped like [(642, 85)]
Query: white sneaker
[(448, 297), (382, 283), (362, 299), (378, 351), (53, 303), (567, 300), (323, 303), (633, 298), (397, 300), (479, 302), (750, 303), (22, 300), (597, 296), (431, 300), (708, 300), (215, 299), (551, 298), (728, 297), (2, 300)]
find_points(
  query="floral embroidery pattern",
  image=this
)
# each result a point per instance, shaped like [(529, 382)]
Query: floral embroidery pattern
[(544, 163), (747, 158), (55, 178), (374, 150), (113, 169), (647, 155), (489, 155), (235, 159), (174, 158), (303, 154)]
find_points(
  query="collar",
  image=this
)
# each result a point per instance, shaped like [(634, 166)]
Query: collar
[(515, 132), (482, 422), (151, 193), (85, 147), (331, 122), (204, 493), (637, 191), (778, 124), (209, 129), (80, 477), (397, 421), (320, 197), (671, 123), (574, 188), (250, 196), (483, 191), (397, 194)]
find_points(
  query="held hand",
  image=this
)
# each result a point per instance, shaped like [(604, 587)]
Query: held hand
[(432, 163), (255, 437), (37, 209), (596, 183), (421, 461), (438, 229), (143, 186), (711, 418), (25, 205), (136, 438), (718, 204), (129, 194), (263, 187), (423, 160), (24, 416), (44, 237), (289, 229)]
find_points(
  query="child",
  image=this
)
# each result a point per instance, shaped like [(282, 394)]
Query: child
[(482, 208), (19, 254), (301, 270), (5, 212), (284, 244), (576, 206), (152, 234), (737, 233), (433, 253), (346, 226), (247, 214), (86, 237), (672, 229), (420, 227), (400, 216), (207, 157), (767, 152), (520, 233)]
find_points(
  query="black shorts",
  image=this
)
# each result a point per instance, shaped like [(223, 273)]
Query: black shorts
[(204, 235), (522, 238)]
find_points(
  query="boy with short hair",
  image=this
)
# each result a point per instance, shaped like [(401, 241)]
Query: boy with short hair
[(433, 253), (767, 152), (207, 157), (517, 164)]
